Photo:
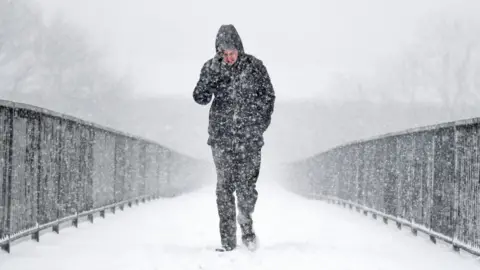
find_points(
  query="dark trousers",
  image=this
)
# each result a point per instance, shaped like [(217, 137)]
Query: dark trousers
[(236, 172)]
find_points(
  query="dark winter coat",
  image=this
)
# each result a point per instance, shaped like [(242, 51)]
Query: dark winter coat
[(243, 96)]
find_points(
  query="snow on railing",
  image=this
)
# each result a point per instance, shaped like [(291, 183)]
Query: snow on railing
[(427, 179), (56, 168)]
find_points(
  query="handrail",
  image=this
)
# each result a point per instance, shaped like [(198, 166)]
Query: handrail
[(55, 168), (427, 178)]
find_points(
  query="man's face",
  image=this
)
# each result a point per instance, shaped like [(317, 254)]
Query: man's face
[(230, 56)]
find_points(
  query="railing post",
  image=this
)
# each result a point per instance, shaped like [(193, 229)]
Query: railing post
[(90, 168), (6, 246), (39, 219), (115, 158), (36, 236), (59, 160), (90, 218), (75, 221), (456, 187), (8, 174)]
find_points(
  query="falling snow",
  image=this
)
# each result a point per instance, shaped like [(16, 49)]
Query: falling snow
[(78, 135)]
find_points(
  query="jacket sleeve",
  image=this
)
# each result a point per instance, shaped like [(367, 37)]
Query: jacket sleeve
[(268, 97), (202, 94)]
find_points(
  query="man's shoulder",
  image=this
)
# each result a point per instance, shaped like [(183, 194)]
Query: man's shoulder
[(255, 62), (253, 59), (207, 63)]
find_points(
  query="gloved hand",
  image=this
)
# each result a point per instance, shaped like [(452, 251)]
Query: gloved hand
[(217, 80), (216, 62)]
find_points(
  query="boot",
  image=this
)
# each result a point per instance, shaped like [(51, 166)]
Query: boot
[(225, 248), (249, 239)]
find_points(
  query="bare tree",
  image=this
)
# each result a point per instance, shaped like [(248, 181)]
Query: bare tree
[(54, 66), (19, 34), (448, 65)]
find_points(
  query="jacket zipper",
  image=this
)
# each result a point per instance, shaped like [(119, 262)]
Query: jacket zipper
[(235, 112)]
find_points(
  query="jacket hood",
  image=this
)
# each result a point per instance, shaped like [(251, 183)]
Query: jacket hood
[(228, 38)]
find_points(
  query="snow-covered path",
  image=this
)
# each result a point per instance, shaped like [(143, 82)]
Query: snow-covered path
[(180, 233)]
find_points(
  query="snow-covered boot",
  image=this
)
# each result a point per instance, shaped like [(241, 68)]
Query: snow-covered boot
[(224, 249), (250, 241)]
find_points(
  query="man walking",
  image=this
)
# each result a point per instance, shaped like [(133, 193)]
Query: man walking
[(243, 103)]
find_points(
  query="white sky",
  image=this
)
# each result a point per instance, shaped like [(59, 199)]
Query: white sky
[(165, 43)]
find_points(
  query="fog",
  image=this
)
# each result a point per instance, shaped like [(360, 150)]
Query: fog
[(303, 43), (342, 70)]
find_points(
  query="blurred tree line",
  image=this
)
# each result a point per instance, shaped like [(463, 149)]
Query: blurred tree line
[(54, 67), (439, 69)]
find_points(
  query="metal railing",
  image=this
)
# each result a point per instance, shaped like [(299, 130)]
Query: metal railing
[(55, 169), (427, 179)]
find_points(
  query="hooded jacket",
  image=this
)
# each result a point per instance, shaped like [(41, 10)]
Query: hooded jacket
[(243, 95)]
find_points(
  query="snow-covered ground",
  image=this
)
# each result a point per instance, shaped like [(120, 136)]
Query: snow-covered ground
[(181, 233)]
